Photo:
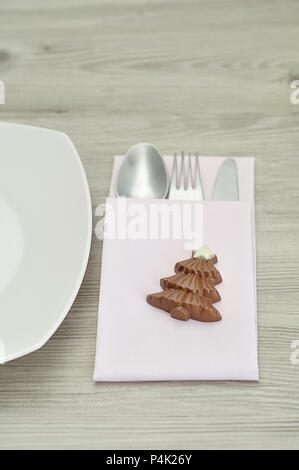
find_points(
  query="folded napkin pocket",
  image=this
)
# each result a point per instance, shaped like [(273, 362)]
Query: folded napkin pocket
[(137, 341)]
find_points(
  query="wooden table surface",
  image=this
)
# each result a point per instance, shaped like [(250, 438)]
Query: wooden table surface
[(211, 76)]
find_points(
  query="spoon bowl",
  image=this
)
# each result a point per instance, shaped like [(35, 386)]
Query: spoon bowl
[(142, 174)]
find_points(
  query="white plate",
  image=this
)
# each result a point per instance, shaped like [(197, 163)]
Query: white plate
[(45, 234)]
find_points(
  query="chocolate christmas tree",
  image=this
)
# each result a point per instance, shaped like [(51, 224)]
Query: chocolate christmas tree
[(191, 292)]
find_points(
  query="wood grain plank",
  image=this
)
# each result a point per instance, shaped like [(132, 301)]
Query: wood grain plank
[(193, 75)]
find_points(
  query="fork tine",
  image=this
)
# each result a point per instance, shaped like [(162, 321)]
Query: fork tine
[(173, 178), (181, 184), (197, 182), (189, 182), (197, 174)]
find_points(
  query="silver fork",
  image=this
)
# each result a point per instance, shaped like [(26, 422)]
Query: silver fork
[(183, 186)]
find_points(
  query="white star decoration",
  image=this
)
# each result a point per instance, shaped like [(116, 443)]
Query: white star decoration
[(203, 252)]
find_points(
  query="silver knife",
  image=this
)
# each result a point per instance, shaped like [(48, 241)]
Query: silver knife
[(226, 186)]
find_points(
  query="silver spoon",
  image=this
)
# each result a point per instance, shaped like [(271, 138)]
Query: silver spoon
[(142, 174)]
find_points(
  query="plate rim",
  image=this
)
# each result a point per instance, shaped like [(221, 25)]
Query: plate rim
[(81, 275)]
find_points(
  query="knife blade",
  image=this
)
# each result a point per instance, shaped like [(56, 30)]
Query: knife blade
[(226, 186)]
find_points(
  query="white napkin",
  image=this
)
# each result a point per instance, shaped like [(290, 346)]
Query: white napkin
[(139, 342)]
